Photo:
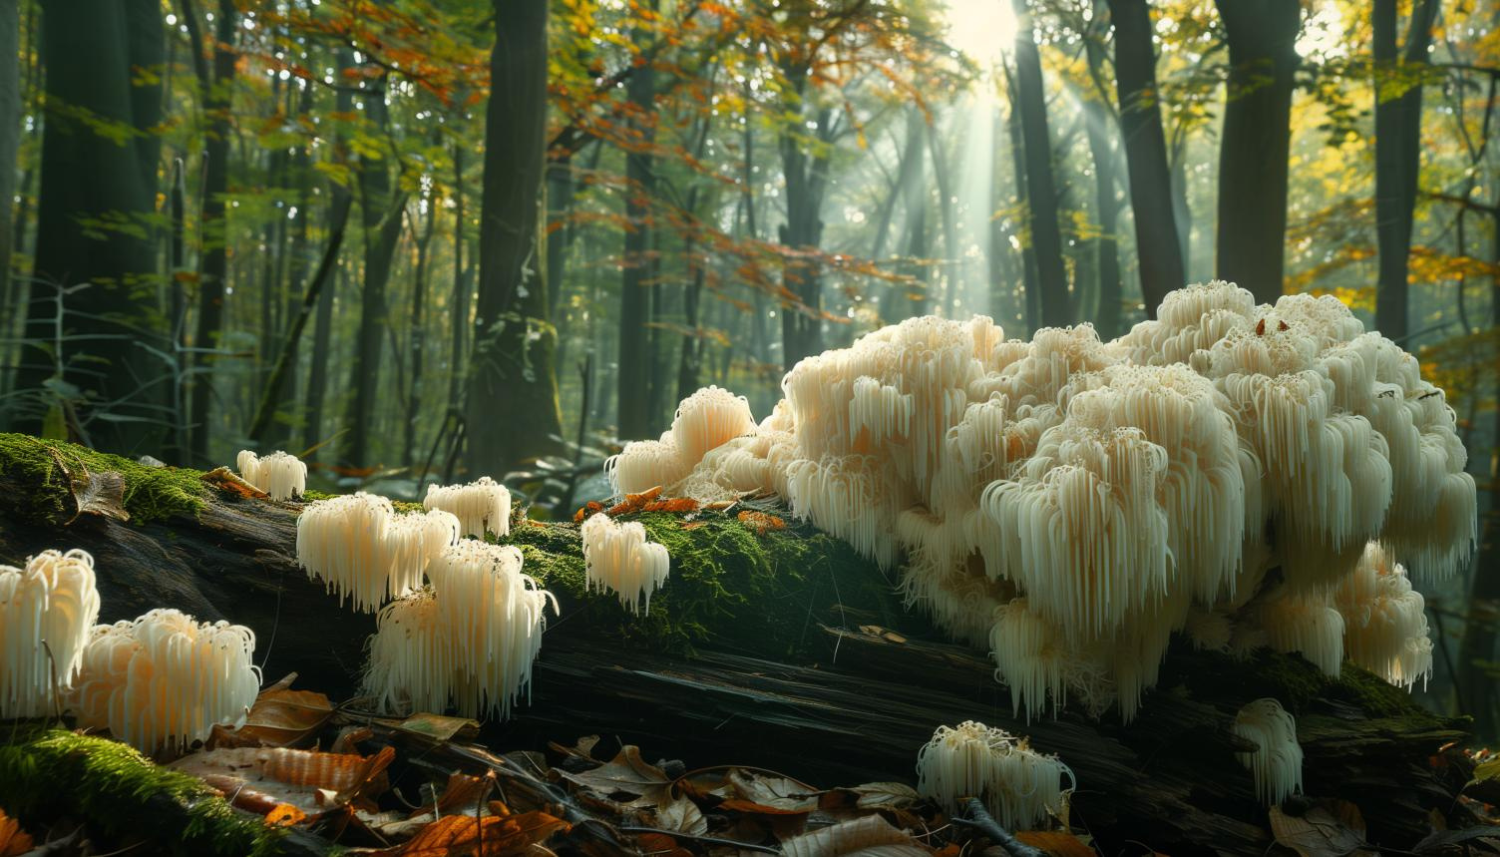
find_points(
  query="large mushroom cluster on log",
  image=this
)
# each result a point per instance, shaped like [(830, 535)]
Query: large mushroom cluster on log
[(1251, 477)]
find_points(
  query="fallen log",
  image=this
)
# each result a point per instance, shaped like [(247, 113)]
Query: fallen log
[(768, 647)]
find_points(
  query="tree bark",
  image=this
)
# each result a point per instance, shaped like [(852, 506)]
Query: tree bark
[(1162, 265), (462, 290), (10, 143), (806, 182), (88, 178), (415, 414), (513, 409), (1255, 142), (795, 695), (636, 286), (1041, 185), (1398, 156)]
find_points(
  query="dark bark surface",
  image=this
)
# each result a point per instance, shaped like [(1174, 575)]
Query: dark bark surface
[(1041, 184)]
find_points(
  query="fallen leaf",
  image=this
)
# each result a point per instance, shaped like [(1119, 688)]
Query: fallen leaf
[(770, 795), (284, 815), (626, 774), (885, 795), (100, 494), (1330, 828), (280, 718), (439, 727), (227, 480), (13, 840), (492, 836), (661, 845), (310, 781), (682, 816), (1056, 843), (871, 836)]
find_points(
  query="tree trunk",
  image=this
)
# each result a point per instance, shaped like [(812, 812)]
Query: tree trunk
[(213, 265), (1041, 186), (382, 212), (953, 264), (1255, 141), (462, 290), (1162, 265), (415, 414), (1106, 248), (86, 176), (635, 354), (10, 142), (513, 410), (1398, 156), (1168, 778), (806, 176)]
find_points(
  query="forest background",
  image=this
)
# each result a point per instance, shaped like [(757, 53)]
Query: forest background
[(411, 240)]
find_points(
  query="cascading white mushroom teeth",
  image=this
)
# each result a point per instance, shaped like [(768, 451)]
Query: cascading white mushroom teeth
[(47, 611), (710, 418), (165, 680), (413, 663), (360, 547), (1276, 765), (619, 558), (1385, 623), (646, 464), (481, 506), (281, 475), (1018, 785), (496, 615), (1092, 496)]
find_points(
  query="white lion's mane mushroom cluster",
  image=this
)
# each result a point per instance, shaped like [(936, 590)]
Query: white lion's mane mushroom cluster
[(471, 637), (360, 546), (46, 611), (1071, 503), (279, 474), (618, 558), (480, 505), (164, 680), (1017, 784), (1276, 763)]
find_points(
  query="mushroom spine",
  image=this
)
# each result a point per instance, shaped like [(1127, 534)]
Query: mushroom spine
[(482, 505), (1018, 785), (47, 610), (279, 474), (619, 558)]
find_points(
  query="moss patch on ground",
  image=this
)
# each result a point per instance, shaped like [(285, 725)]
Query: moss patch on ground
[(121, 794), (151, 493), (730, 585)]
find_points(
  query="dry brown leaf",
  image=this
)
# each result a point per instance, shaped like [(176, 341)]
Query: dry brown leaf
[(13, 840), (284, 815), (885, 795), (310, 781), (1330, 828), (280, 718), (492, 836), (770, 795), (661, 845), (439, 727), (1056, 843), (100, 494), (626, 774), (871, 836), (227, 480), (682, 816)]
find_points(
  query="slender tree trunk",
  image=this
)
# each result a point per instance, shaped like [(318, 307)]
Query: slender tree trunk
[(1255, 142), (952, 267), (88, 176), (415, 414), (1041, 186), (635, 353), (806, 179), (382, 213), (1163, 267), (513, 412), (1398, 157), (1106, 249), (10, 142), (461, 288), (560, 192)]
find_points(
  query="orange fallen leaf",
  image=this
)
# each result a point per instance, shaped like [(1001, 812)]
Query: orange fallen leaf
[(1056, 843), (13, 840), (284, 815), (491, 836)]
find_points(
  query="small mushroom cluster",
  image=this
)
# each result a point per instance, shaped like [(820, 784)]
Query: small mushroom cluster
[(1276, 763), (359, 546), (705, 420), (618, 558), (482, 505), (279, 474), (46, 611), (1020, 786)]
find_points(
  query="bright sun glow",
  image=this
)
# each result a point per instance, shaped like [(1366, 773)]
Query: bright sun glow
[(983, 29)]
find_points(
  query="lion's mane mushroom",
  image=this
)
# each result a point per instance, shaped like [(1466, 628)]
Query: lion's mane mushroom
[(279, 474), (359, 546), (46, 612), (480, 505), (1385, 622), (619, 558), (1017, 784), (1277, 763), (412, 663), (705, 421), (1072, 502), (496, 615), (164, 680)]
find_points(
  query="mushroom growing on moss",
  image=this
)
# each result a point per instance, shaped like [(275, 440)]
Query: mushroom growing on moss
[(1017, 784), (164, 680), (1276, 764), (620, 559), (480, 505), (358, 545), (412, 657), (279, 474), (46, 612)]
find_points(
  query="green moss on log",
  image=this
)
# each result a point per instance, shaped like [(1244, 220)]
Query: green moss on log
[(151, 493), (121, 794), (730, 585)]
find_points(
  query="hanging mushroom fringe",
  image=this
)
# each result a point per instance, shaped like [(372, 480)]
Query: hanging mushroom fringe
[(46, 612), (1277, 764), (362, 549), (483, 505), (279, 474), (1019, 786), (619, 559), (164, 680), (1071, 503)]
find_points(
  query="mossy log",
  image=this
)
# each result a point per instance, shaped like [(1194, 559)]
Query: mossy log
[(768, 647)]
